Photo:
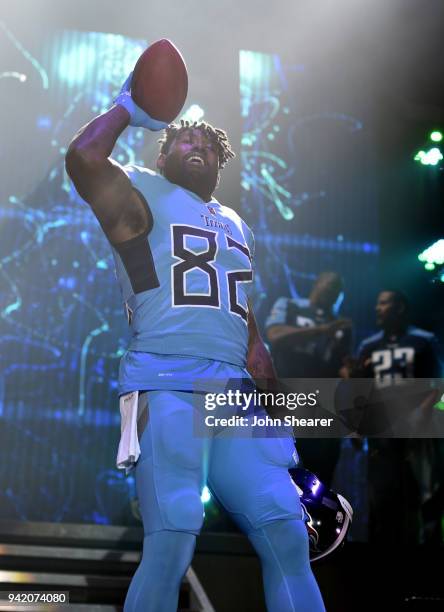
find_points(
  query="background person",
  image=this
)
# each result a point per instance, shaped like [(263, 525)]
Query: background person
[(309, 341)]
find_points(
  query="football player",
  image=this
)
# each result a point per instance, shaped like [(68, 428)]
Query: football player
[(398, 350), (400, 469), (184, 264), (309, 341)]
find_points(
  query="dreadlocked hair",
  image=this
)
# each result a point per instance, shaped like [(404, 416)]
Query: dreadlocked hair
[(217, 136)]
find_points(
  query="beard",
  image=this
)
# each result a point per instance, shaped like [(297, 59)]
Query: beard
[(202, 181)]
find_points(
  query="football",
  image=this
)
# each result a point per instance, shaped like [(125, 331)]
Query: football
[(160, 81)]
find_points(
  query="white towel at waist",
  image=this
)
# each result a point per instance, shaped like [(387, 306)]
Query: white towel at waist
[(132, 406)]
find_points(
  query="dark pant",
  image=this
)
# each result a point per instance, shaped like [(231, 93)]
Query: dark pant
[(394, 493)]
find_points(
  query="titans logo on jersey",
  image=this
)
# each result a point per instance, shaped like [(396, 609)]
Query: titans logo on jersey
[(389, 358), (187, 283)]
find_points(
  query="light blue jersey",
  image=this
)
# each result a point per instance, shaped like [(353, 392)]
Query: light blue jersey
[(202, 258), (146, 371)]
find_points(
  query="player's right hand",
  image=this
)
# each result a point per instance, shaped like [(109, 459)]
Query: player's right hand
[(138, 117), (337, 325), (342, 324), (353, 368)]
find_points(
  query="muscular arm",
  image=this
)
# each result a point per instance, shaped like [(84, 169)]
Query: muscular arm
[(102, 182), (286, 336), (283, 336), (259, 363)]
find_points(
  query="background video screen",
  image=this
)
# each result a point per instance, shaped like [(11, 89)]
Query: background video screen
[(307, 185)]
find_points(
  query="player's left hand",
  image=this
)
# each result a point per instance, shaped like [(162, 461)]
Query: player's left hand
[(350, 368), (138, 117)]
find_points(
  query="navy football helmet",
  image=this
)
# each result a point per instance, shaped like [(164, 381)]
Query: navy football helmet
[(328, 515)]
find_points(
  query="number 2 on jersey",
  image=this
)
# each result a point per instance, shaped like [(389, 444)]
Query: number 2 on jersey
[(392, 365), (189, 260)]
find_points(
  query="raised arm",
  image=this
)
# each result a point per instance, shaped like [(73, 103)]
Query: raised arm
[(101, 181)]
